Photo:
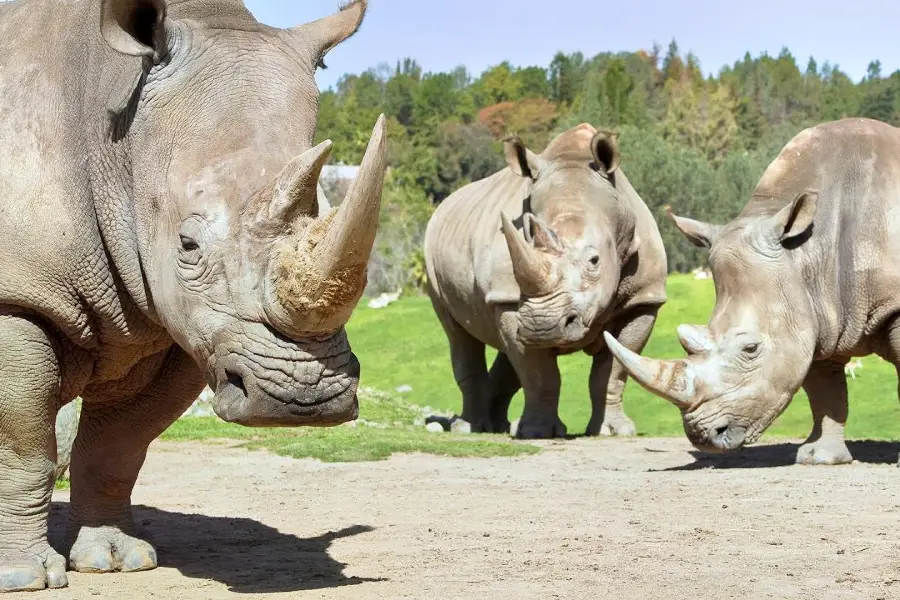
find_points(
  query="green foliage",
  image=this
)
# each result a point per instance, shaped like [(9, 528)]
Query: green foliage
[(699, 144), (418, 356), (387, 426)]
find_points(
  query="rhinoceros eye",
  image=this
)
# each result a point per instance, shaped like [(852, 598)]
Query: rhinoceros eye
[(751, 349), (189, 244), (594, 260)]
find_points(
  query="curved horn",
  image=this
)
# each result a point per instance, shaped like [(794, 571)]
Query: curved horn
[(669, 379), (326, 33), (351, 232), (530, 268)]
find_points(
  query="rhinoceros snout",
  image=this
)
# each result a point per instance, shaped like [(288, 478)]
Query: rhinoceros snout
[(722, 435), (264, 391), (548, 332)]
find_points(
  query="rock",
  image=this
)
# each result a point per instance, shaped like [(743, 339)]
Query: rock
[(513, 428), (435, 427), (444, 422), (66, 429), (404, 389), (460, 426)]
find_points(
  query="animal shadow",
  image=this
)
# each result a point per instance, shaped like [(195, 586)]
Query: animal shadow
[(785, 454), (245, 555)]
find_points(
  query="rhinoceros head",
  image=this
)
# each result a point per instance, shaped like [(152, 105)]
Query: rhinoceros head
[(743, 369), (248, 267), (578, 235)]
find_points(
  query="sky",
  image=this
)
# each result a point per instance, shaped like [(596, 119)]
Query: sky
[(442, 34)]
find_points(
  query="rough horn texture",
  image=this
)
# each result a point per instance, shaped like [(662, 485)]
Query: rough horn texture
[(806, 278), (666, 378), (608, 268), (150, 142)]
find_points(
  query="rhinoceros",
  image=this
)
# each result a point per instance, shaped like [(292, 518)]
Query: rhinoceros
[(162, 228), (535, 261), (804, 280)]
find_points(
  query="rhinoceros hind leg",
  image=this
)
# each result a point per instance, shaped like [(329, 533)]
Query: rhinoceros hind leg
[(29, 396), (109, 451), (504, 385), (826, 386), (469, 370)]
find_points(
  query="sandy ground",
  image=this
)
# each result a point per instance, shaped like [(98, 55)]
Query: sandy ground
[(642, 518)]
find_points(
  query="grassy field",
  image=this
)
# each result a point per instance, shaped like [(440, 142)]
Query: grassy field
[(404, 344), (387, 425)]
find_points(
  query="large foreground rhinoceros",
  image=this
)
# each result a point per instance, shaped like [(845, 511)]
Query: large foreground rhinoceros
[(161, 229), (806, 277), (536, 261)]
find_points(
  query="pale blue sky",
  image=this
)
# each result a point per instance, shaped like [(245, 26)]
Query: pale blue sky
[(442, 34)]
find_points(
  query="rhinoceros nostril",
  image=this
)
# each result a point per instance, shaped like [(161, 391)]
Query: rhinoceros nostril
[(236, 380), (570, 320), (720, 431)]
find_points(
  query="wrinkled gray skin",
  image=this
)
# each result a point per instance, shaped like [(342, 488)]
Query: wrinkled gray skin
[(805, 280), (536, 261), (161, 229)]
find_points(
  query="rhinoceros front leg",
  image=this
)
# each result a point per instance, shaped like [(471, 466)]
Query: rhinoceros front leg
[(109, 451), (826, 386), (608, 376), (29, 397)]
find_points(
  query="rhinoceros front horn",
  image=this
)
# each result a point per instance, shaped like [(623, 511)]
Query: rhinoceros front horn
[(530, 268), (669, 379), (323, 269)]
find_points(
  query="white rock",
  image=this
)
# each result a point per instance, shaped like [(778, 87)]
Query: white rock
[(434, 427), (460, 426), (403, 389), (513, 428)]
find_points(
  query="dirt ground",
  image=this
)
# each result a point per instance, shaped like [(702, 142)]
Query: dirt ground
[(641, 518)]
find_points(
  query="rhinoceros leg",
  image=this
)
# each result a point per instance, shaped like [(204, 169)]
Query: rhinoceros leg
[(504, 384), (29, 396), (608, 376), (469, 370), (826, 386), (109, 451)]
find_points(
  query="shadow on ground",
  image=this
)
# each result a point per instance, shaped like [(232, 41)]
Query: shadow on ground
[(243, 554), (782, 455)]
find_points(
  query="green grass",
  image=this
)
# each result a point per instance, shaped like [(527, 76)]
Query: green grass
[(387, 426), (404, 344)]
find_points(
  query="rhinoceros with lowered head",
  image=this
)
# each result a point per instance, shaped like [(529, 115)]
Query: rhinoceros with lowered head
[(162, 228), (805, 279), (536, 261)]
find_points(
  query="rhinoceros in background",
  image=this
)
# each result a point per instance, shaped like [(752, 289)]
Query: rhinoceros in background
[(536, 261), (806, 277), (162, 228)]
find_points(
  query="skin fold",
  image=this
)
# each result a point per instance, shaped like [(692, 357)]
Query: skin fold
[(163, 229), (536, 261), (805, 281)]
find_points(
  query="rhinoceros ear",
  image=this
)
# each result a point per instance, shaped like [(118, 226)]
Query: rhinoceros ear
[(698, 233), (796, 219), (605, 148), (520, 159), (328, 32), (133, 27)]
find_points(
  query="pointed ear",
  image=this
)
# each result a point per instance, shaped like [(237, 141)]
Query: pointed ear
[(698, 233), (796, 219), (133, 27), (605, 148), (326, 33), (520, 159)]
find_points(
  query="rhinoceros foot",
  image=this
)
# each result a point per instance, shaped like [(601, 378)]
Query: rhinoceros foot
[(612, 425), (824, 452), (540, 428), (32, 572), (108, 549)]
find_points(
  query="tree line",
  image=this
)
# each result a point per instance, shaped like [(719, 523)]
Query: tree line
[(696, 143)]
